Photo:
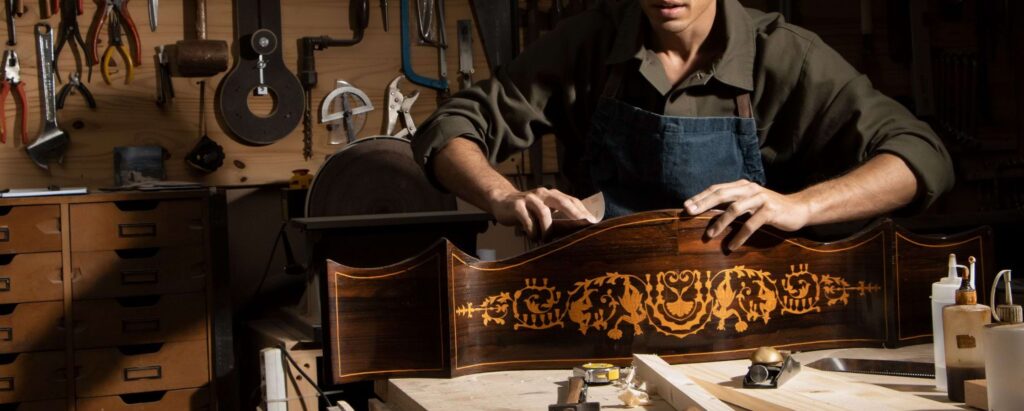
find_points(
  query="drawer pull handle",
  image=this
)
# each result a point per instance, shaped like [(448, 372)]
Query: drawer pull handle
[(140, 326), (152, 372), (7, 384), (5, 283), (136, 230), (5, 234), (136, 277), (6, 334)]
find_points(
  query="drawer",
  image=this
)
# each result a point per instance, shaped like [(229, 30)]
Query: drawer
[(136, 224), (195, 399), (45, 405), (140, 271), (33, 376), (29, 229), (141, 368), (31, 327), (30, 277), (140, 320)]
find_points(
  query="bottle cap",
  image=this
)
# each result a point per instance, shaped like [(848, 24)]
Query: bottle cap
[(943, 291), (966, 295), (1009, 312)]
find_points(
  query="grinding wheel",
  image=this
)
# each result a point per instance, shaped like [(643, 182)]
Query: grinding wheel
[(374, 175)]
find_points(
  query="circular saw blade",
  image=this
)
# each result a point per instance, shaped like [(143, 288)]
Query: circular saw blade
[(374, 175)]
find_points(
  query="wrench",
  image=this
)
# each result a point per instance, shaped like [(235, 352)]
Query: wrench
[(52, 142)]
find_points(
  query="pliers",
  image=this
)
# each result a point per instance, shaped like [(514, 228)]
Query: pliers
[(12, 80), (117, 8), (399, 103), (114, 33), (69, 28), (56, 6), (75, 83)]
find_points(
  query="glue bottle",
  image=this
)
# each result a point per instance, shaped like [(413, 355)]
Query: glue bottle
[(943, 294), (1004, 355), (962, 326)]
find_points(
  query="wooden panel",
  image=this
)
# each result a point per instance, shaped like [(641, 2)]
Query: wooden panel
[(370, 65), (111, 274), (104, 226), (110, 322), (32, 327), (30, 277), (45, 405), (33, 376), (29, 229), (196, 399), (113, 371)]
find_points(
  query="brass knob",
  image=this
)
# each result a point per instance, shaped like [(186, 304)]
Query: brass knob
[(767, 356)]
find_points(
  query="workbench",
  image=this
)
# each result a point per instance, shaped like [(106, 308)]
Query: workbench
[(811, 389)]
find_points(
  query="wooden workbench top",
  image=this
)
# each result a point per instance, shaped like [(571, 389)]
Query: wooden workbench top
[(811, 389)]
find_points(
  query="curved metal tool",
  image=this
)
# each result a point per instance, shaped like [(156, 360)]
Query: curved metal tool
[(52, 141), (436, 84), (260, 68), (348, 114)]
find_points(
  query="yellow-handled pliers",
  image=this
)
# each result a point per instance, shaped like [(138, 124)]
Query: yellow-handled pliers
[(114, 33)]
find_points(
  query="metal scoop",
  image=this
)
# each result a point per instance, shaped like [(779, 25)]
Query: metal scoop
[(52, 142)]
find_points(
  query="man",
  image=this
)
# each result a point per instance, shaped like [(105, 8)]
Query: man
[(697, 104)]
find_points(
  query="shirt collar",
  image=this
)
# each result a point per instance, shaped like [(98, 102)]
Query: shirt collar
[(736, 65)]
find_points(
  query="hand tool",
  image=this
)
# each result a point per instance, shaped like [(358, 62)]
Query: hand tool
[(69, 29), (259, 66), (880, 367), (116, 43), (75, 84), (52, 142), (9, 9), (359, 19), (499, 29), (154, 8), (353, 117), (199, 57), (441, 84), (164, 84), (575, 397), (207, 156), (400, 104), (594, 373), (770, 369), (384, 13), (465, 37), (118, 8), (12, 81)]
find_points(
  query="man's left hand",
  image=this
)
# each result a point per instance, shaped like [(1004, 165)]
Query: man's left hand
[(785, 212)]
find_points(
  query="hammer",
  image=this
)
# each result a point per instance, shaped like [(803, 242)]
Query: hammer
[(199, 57)]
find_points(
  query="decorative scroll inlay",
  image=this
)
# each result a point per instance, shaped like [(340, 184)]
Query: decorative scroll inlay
[(675, 303)]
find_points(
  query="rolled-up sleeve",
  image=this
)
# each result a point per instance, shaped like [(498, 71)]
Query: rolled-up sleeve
[(843, 121)]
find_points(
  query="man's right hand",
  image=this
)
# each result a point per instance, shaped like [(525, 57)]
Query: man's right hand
[(535, 209)]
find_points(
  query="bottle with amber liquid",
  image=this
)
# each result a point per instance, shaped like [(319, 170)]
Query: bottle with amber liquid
[(962, 325)]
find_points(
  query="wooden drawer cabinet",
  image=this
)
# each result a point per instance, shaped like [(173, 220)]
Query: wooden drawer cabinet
[(194, 399), (136, 224), (32, 327), (140, 320), (29, 229), (45, 405), (32, 376), (30, 277), (132, 369), (134, 272)]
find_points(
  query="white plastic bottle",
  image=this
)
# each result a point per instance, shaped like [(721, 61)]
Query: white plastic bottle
[(943, 294)]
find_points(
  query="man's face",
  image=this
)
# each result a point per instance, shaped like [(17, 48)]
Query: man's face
[(674, 16)]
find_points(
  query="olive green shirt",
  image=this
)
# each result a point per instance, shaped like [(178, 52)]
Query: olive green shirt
[(817, 117)]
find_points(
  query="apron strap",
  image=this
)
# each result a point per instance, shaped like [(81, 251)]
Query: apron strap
[(743, 106), (611, 85)]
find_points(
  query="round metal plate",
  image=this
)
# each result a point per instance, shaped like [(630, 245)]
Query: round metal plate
[(374, 175)]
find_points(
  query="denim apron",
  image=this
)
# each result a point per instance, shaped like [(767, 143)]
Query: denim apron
[(645, 161)]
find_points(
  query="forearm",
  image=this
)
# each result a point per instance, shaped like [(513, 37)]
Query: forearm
[(882, 184), (462, 168)]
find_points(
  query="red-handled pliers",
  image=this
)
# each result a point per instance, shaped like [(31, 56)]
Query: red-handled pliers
[(120, 7), (12, 80), (55, 7)]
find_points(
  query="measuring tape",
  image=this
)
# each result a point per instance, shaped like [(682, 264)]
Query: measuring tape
[(596, 373)]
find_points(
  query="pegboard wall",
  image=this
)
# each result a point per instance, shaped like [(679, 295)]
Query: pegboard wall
[(127, 114)]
